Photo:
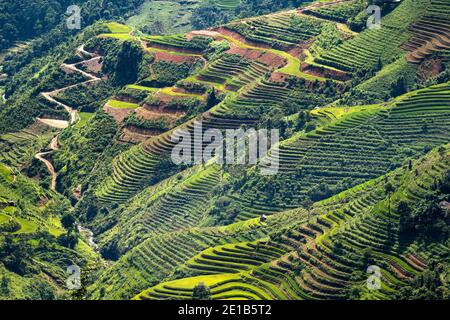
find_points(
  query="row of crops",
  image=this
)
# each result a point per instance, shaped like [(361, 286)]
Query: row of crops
[(352, 149), (375, 46), (19, 148), (162, 254), (355, 229), (430, 33), (278, 30)]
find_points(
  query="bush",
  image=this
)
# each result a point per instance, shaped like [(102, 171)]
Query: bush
[(201, 292)]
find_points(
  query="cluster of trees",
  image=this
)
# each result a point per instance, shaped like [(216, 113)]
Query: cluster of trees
[(21, 20), (430, 285), (15, 254), (122, 60), (70, 238), (168, 73), (48, 19), (81, 150), (201, 292), (427, 218), (158, 124), (11, 225), (129, 94), (87, 98), (328, 38), (39, 74), (225, 211), (196, 87)]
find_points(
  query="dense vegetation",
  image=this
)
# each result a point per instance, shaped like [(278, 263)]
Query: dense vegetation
[(91, 118)]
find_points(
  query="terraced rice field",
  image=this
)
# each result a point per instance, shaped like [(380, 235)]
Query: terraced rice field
[(374, 45), (332, 266), (160, 234), (233, 71), (140, 164), (340, 12), (342, 238), (177, 43), (431, 33), (281, 30), (164, 16), (161, 254), (172, 205), (227, 4), (19, 148), (115, 27), (340, 151)]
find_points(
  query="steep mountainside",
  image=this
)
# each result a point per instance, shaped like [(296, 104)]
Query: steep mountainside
[(363, 181)]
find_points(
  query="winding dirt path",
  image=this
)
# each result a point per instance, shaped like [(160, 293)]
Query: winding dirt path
[(71, 111), (41, 157), (73, 68)]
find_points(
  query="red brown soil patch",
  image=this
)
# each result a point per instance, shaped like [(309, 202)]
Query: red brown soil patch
[(174, 58), (430, 68), (148, 113), (164, 108), (399, 271), (241, 38), (93, 65), (165, 98), (133, 134), (278, 77), (249, 54), (324, 72), (272, 60), (297, 51), (419, 262), (117, 113), (268, 58)]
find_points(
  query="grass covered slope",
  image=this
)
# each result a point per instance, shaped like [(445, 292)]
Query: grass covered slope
[(327, 257), (350, 145), (34, 254), (364, 157), (375, 45)]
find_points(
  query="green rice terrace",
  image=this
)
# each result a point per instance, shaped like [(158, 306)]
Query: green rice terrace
[(356, 209)]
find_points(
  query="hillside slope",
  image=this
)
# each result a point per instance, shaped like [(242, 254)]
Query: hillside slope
[(364, 156)]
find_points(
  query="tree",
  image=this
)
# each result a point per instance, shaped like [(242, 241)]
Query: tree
[(379, 64), (301, 121), (399, 87), (201, 292), (69, 239), (212, 99), (122, 64), (406, 223), (4, 285), (389, 189), (68, 221)]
